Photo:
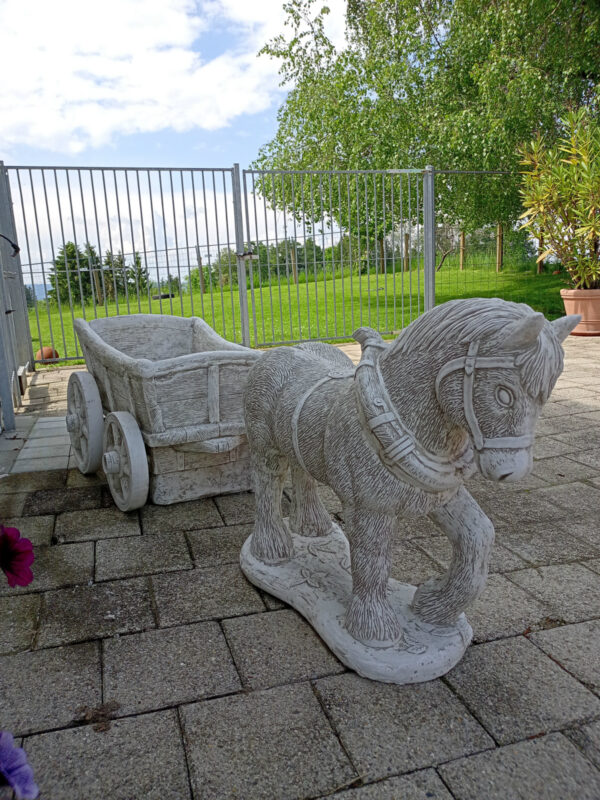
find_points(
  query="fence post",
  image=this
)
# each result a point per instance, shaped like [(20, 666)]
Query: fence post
[(238, 215), (499, 247), (429, 236), (13, 271), (462, 251)]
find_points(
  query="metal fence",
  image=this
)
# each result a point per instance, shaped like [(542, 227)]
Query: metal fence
[(264, 257)]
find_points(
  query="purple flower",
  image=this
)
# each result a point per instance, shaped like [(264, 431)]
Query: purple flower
[(14, 769), (16, 557)]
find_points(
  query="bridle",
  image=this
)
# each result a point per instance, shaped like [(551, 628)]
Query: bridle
[(469, 364)]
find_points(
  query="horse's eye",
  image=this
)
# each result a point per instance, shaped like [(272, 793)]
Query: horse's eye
[(504, 396)]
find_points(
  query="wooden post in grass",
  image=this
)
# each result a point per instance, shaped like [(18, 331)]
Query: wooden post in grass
[(294, 266), (200, 270), (462, 251), (540, 263), (499, 247), (99, 295), (406, 252)]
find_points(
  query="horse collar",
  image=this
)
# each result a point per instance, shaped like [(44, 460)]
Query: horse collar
[(469, 364), (398, 448)]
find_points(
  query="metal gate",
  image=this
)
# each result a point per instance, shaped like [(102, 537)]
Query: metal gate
[(264, 257), (327, 252)]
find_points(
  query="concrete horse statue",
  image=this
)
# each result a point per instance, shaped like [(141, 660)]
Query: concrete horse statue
[(458, 391)]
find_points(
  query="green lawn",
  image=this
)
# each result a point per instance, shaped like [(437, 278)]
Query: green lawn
[(330, 308)]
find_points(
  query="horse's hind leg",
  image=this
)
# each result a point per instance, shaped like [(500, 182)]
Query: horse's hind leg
[(308, 517), (271, 540)]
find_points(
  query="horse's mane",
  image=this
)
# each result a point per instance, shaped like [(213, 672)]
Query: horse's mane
[(485, 319)]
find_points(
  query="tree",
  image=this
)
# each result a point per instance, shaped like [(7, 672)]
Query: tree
[(72, 272), (455, 83)]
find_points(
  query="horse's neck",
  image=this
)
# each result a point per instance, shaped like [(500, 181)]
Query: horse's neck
[(410, 382)]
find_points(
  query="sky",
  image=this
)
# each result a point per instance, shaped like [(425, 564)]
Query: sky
[(163, 83)]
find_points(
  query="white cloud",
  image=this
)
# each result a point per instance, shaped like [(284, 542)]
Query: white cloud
[(79, 73)]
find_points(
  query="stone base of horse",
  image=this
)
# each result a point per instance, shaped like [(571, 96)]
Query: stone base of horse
[(317, 582)]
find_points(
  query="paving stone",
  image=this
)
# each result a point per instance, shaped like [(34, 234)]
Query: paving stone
[(576, 648), (423, 785), (560, 469), (418, 528), (550, 768), (52, 479), (548, 446), (47, 688), (180, 517), (54, 462), (272, 603), (54, 567), (11, 505), (101, 523), (589, 458), (528, 507), (146, 671), (504, 610), (46, 448), (440, 550), (199, 594), (587, 439), (93, 612), (582, 497), (141, 555), (218, 546), (48, 501), (38, 530), (389, 729), (594, 565), (275, 648), (19, 617), (410, 564), (587, 738), (239, 509), (236, 509), (130, 759), (569, 590), (77, 480), (518, 692), (550, 542), (268, 745)]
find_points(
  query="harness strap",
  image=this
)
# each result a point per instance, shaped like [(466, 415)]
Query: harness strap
[(300, 406)]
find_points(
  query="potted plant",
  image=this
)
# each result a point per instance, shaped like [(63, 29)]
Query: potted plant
[(561, 197)]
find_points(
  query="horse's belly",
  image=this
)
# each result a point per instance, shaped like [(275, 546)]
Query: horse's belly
[(303, 411)]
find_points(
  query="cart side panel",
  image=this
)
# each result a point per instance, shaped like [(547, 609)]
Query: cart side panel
[(183, 398), (232, 382)]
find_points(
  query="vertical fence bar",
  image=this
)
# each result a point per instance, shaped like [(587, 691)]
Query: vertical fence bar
[(429, 236), (238, 218)]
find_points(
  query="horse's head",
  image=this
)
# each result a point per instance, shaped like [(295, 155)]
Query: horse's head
[(496, 390)]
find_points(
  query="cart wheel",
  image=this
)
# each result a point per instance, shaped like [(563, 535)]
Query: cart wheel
[(125, 461), (84, 421)]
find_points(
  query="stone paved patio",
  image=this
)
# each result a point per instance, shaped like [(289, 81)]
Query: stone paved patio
[(140, 664)]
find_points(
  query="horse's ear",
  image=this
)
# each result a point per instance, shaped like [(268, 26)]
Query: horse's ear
[(522, 334), (563, 326)]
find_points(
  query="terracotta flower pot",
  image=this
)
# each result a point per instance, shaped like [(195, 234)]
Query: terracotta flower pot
[(47, 354), (587, 303)]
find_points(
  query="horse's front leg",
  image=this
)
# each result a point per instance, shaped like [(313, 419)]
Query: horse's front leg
[(370, 617), (441, 600)]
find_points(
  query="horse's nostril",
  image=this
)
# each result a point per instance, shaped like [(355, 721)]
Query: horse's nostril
[(506, 475)]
